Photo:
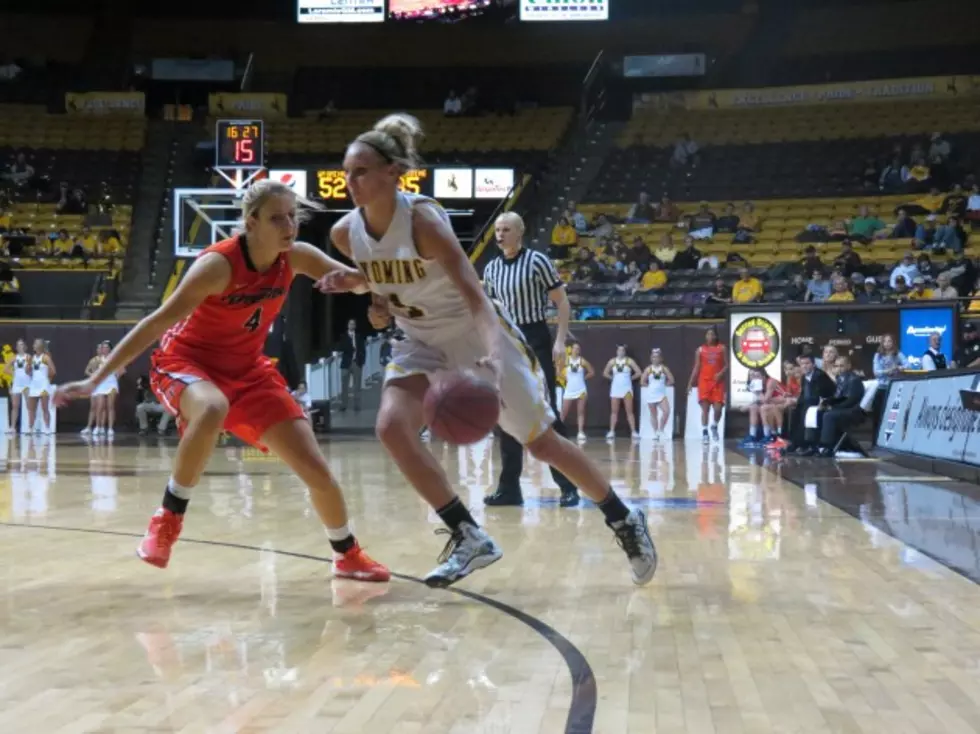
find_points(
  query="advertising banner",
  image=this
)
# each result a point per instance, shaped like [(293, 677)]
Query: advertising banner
[(259, 104), (926, 418), (917, 324), (929, 88), (340, 11), (295, 179), (756, 343), (544, 10), (493, 183), (105, 103), (453, 183)]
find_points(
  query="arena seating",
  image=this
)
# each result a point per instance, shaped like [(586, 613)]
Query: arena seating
[(99, 155)]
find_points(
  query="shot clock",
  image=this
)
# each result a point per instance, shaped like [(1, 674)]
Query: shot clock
[(239, 144)]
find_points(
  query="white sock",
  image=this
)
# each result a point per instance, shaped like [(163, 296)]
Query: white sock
[(753, 431), (338, 534), (178, 490)]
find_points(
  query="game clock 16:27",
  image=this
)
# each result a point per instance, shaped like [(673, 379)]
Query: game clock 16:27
[(239, 144), (331, 184)]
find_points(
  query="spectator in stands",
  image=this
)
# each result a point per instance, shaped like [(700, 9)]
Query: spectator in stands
[(939, 149), (747, 289), (667, 211), (900, 290), (905, 227), (962, 273), (925, 234), (576, 218), (906, 269), (702, 223), (110, 243), (811, 260), (891, 180), (563, 239), (841, 291), (20, 172), (718, 299), (654, 278), (603, 228), (925, 267), (857, 284), (642, 211), (63, 244), (796, 292), (818, 288), (687, 259), (453, 106), (955, 203), (848, 260), (728, 222), (944, 290), (973, 207), (968, 355), (685, 152), (865, 226), (87, 241), (920, 292), (639, 253), (666, 252), (72, 201), (950, 236), (587, 270), (870, 293)]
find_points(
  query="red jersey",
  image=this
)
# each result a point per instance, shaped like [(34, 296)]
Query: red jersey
[(227, 332), (712, 362)]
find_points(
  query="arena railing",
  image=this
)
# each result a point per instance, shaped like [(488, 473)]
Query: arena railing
[(323, 378)]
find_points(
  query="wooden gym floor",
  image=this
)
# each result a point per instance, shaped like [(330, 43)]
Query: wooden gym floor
[(779, 606)]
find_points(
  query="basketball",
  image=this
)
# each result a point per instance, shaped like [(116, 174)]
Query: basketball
[(461, 408)]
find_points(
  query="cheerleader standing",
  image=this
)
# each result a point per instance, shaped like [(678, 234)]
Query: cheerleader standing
[(39, 392), (20, 372), (95, 401), (577, 371), (657, 377), (622, 371), (106, 392)]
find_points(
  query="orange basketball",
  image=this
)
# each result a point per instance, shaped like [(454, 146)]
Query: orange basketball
[(461, 408)]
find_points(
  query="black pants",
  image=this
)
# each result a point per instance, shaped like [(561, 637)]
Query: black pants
[(799, 436), (511, 451), (835, 422)]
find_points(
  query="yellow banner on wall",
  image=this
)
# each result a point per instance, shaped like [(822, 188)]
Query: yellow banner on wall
[(105, 103), (884, 90), (259, 104)]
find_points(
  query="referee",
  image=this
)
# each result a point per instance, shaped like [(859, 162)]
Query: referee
[(524, 281)]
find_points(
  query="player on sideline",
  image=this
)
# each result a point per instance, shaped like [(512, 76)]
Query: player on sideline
[(710, 365), (210, 371), (408, 256)]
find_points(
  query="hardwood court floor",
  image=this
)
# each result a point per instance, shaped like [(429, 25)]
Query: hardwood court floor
[(772, 611)]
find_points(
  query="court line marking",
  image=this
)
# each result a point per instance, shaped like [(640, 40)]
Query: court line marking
[(581, 708)]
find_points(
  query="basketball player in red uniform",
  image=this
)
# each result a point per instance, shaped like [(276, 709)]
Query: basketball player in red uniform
[(211, 373), (710, 366)]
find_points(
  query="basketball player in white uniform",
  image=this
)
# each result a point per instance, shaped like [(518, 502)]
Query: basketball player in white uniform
[(577, 372), (42, 370), (409, 257), (20, 373), (621, 371), (656, 378)]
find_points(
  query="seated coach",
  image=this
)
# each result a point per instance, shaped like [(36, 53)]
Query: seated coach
[(842, 411)]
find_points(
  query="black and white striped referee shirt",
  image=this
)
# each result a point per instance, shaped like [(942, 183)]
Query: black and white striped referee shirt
[(522, 283)]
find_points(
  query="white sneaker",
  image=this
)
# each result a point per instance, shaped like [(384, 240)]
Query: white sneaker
[(610, 434), (634, 538), (581, 436), (636, 436), (85, 431), (110, 434), (469, 549)]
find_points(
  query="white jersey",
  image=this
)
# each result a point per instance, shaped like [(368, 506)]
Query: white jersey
[(574, 379), (40, 377), (426, 304), (622, 379), (22, 380), (656, 385)]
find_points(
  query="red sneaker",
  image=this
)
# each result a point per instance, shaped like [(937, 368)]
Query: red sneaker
[(358, 565), (160, 537)]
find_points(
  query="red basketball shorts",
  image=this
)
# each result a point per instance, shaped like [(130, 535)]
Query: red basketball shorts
[(258, 397), (711, 391)]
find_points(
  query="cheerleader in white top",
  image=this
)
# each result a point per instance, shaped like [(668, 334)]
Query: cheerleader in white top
[(19, 371), (104, 398), (657, 377), (39, 392), (92, 428), (577, 372), (622, 371)]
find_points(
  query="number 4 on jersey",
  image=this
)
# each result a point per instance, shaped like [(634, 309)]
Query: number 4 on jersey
[(254, 321)]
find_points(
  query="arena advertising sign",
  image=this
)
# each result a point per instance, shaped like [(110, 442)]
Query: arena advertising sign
[(545, 10), (916, 326), (105, 103), (756, 343), (927, 418), (294, 179), (340, 11)]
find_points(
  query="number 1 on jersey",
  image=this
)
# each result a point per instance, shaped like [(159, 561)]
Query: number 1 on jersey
[(254, 321)]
